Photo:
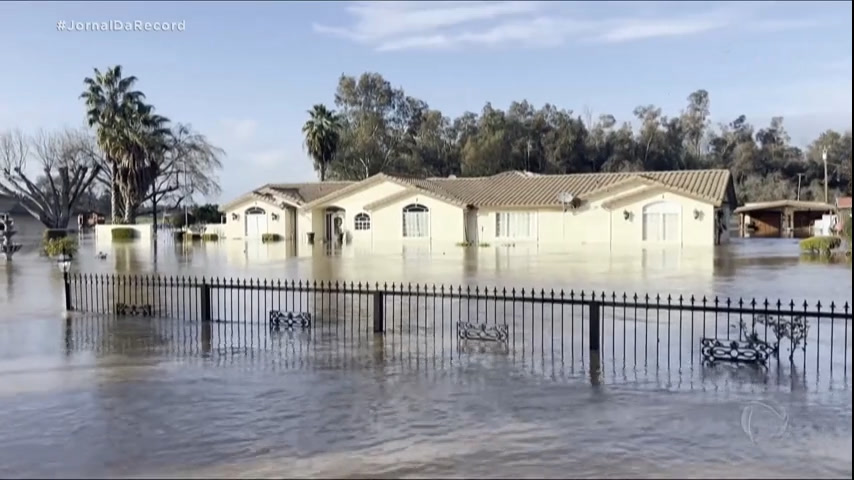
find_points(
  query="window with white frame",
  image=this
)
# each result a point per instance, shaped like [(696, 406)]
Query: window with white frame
[(362, 222), (661, 222), (416, 221), (514, 224)]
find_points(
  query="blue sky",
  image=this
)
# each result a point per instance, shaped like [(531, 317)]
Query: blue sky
[(244, 73)]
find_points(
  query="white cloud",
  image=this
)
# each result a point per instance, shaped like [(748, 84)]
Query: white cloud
[(394, 26), (239, 130)]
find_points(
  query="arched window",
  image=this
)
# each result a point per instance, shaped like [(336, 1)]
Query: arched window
[(416, 221), (362, 222), (255, 211), (661, 222)]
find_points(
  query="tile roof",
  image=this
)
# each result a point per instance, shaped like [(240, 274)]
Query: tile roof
[(307, 192), (843, 202), (523, 190), (516, 188), (295, 193)]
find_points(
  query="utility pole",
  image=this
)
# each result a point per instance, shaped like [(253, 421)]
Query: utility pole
[(800, 176), (824, 160)]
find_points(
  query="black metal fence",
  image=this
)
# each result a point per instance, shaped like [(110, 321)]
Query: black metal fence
[(566, 326)]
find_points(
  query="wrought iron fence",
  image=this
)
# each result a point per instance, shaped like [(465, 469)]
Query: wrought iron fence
[(566, 326)]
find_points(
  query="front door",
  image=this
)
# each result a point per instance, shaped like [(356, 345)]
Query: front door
[(256, 222), (334, 225)]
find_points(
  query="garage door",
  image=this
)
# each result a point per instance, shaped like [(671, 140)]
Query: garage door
[(256, 222)]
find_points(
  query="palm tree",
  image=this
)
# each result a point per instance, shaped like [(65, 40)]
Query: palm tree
[(141, 141), (322, 133), (110, 99)]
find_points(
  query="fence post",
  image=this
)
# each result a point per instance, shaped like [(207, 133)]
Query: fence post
[(595, 320), (66, 281), (206, 301), (595, 341), (379, 312)]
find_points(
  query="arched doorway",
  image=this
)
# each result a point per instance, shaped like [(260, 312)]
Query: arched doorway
[(255, 219), (334, 225)]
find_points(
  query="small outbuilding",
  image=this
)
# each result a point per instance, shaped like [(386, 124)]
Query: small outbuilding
[(781, 218)]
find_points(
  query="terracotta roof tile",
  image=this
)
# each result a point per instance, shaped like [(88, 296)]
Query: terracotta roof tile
[(523, 190), (306, 192)]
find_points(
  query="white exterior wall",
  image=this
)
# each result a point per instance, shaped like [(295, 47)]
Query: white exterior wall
[(594, 225), (447, 223), (236, 229)]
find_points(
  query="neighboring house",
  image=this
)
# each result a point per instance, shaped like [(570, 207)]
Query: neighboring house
[(658, 208)]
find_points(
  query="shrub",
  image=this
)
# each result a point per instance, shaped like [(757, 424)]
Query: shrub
[(472, 244), (210, 237), (124, 234), (54, 247), (178, 234), (52, 233), (846, 231), (820, 245), (271, 237), (192, 237)]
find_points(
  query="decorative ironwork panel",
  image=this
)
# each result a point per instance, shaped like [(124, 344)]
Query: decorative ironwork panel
[(736, 351), (134, 310), (289, 320), (482, 332)]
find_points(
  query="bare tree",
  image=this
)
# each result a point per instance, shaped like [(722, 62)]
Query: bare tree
[(66, 168), (188, 166)]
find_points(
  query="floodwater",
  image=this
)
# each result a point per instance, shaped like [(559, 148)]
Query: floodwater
[(96, 397)]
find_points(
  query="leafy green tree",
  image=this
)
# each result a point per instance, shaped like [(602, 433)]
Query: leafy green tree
[(207, 213), (382, 129)]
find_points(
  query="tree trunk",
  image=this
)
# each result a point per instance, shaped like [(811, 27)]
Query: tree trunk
[(322, 171), (114, 196), (130, 207)]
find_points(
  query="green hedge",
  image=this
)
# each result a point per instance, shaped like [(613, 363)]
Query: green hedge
[(820, 245), (271, 237), (124, 234), (210, 237), (192, 237), (54, 247)]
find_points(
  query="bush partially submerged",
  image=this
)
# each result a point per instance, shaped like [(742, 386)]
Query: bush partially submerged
[(820, 245), (55, 247), (271, 237), (210, 237), (124, 234), (794, 328)]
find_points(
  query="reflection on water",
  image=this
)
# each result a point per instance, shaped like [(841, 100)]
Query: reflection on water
[(147, 397), (760, 268), (141, 399)]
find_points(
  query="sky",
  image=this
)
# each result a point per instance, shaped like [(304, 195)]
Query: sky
[(245, 73)]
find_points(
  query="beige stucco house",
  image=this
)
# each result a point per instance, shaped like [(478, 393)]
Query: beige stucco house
[(680, 208)]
